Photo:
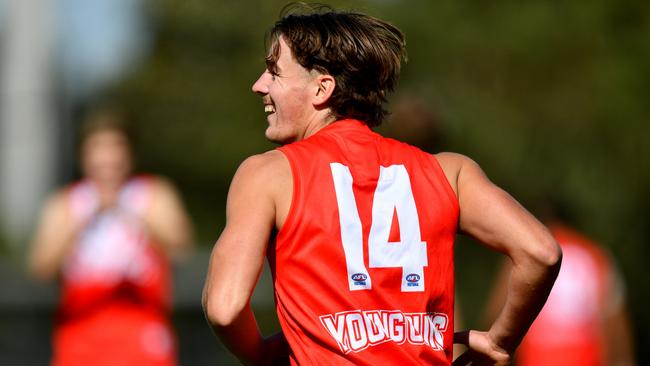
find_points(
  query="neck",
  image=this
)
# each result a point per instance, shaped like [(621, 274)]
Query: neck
[(317, 124)]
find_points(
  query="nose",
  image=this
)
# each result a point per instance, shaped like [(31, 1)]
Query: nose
[(261, 86)]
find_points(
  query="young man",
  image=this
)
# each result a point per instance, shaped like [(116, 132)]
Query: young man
[(363, 256)]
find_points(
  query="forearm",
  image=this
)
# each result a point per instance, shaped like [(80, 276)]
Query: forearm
[(240, 335), (226, 303), (530, 283)]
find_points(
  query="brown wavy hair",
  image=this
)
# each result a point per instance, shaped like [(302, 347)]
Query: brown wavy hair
[(361, 52)]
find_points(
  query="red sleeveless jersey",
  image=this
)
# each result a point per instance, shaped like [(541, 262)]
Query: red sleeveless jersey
[(115, 292), (570, 330), (363, 265)]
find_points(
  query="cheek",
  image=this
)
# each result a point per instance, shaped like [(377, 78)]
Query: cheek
[(293, 105)]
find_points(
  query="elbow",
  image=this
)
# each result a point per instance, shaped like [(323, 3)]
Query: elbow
[(219, 312), (553, 256), (549, 255), (545, 256)]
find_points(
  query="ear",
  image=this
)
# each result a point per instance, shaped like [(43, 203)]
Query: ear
[(325, 85)]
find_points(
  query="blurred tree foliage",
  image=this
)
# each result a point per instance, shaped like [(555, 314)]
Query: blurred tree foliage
[(549, 97)]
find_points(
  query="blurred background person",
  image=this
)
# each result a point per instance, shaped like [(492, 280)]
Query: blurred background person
[(585, 319), (108, 238)]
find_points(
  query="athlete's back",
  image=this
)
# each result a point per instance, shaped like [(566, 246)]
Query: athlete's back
[(364, 262)]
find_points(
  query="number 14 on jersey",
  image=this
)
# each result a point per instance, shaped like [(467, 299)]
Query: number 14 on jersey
[(393, 194)]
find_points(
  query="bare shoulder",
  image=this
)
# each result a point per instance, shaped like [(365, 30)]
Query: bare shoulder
[(453, 164), (268, 172), (56, 204), (263, 182), (166, 197), (451, 160), (162, 185), (273, 159), (54, 218), (266, 166)]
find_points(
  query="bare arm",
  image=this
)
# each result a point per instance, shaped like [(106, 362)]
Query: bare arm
[(53, 239), (168, 222), (238, 256), (494, 218), (498, 293)]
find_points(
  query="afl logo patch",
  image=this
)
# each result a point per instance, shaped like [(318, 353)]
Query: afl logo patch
[(359, 277), (413, 277)]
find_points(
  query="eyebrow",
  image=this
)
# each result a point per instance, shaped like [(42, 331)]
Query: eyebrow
[(271, 64)]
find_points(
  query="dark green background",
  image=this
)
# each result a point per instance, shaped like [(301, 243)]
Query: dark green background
[(550, 98)]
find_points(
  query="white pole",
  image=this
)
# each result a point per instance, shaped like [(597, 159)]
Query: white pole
[(27, 115)]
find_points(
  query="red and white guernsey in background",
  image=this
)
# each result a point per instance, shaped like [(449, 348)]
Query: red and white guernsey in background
[(570, 329), (115, 294), (363, 266)]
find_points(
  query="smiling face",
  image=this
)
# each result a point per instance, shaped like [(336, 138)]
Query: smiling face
[(289, 93)]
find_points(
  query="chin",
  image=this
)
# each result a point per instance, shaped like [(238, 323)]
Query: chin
[(277, 140), (277, 137)]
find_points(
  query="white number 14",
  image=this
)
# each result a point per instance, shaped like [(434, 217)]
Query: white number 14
[(393, 194)]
